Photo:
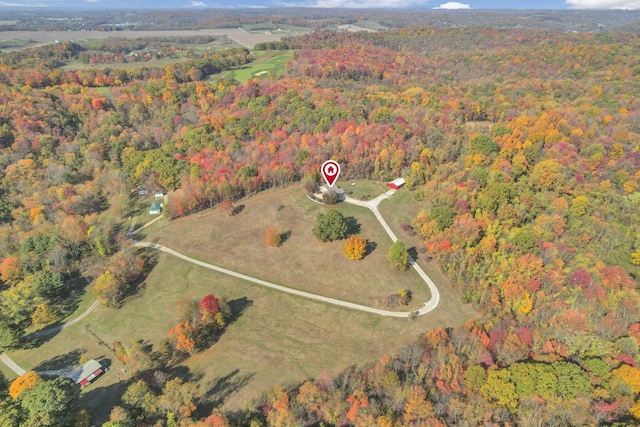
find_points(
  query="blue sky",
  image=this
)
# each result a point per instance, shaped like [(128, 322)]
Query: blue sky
[(422, 4)]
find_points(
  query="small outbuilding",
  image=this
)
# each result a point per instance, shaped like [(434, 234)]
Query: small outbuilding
[(156, 208), (158, 193), (143, 192), (88, 372), (396, 183)]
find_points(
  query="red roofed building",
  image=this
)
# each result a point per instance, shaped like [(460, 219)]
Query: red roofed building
[(396, 183), (85, 374)]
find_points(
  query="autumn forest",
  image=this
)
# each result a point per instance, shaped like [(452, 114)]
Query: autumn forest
[(520, 145)]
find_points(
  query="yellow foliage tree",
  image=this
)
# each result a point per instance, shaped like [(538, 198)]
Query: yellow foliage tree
[(625, 375), (635, 410), (355, 247), (107, 289), (418, 408), (23, 383), (630, 186), (579, 206), (547, 173), (43, 315)]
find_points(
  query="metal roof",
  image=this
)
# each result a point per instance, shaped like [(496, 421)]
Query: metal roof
[(85, 370)]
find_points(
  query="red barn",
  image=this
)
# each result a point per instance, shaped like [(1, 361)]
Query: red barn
[(396, 183), (85, 374)]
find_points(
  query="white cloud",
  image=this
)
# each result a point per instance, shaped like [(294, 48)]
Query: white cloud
[(365, 4), (8, 4), (197, 4), (604, 4), (92, 1), (454, 5)]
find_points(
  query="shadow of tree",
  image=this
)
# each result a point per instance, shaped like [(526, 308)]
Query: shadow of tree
[(67, 304), (238, 306), (210, 337), (370, 247), (133, 291), (61, 361), (100, 400), (237, 210), (353, 226), (64, 305), (220, 389), (182, 372), (285, 236)]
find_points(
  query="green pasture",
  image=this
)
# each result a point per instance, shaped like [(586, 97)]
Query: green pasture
[(267, 64)]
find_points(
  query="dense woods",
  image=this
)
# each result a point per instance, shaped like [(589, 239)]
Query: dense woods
[(520, 145)]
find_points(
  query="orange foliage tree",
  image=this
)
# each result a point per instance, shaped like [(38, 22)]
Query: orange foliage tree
[(10, 270), (355, 247), (23, 383), (183, 337), (272, 237)]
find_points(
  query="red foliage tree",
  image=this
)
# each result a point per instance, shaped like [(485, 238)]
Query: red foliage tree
[(209, 305), (580, 278)]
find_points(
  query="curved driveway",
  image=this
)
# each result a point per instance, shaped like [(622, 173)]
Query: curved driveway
[(273, 285), (373, 206), (4, 357)]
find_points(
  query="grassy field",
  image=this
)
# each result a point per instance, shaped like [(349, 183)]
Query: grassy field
[(275, 28), (156, 63), (402, 207), (266, 64), (374, 25), (8, 373), (276, 338), (310, 265), (364, 189)]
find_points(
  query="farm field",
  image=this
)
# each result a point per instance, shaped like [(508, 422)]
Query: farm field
[(215, 46), (156, 63), (242, 37), (275, 338), (282, 29)]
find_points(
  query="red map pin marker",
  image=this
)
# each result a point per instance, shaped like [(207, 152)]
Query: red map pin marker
[(330, 171)]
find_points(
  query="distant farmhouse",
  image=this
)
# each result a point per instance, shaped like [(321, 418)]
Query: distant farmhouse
[(396, 183)]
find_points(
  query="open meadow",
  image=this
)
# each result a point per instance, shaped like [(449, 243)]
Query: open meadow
[(302, 262)]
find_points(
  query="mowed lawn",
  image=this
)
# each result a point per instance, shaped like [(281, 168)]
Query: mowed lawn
[(302, 261), (267, 63), (364, 189)]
